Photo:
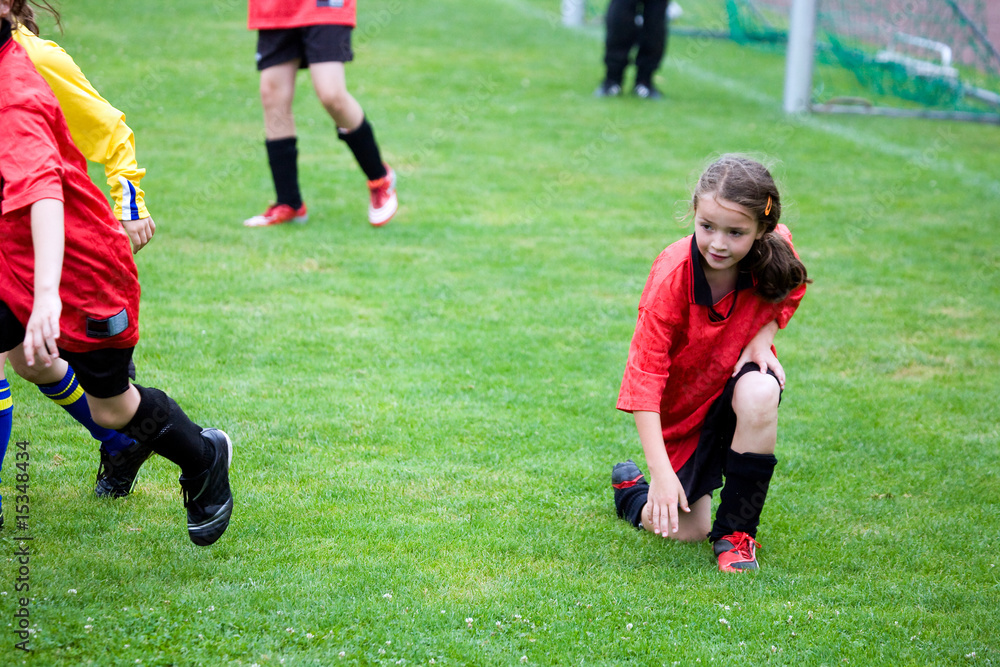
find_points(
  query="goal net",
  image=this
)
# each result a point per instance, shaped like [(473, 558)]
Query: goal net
[(931, 55)]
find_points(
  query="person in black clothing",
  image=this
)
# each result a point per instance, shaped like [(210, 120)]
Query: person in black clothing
[(640, 25)]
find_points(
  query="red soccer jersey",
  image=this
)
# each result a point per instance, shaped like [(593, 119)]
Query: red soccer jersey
[(275, 14), (685, 347), (38, 160)]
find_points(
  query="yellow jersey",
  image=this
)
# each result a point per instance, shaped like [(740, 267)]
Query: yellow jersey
[(98, 129)]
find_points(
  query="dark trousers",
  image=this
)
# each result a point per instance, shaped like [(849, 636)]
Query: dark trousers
[(623, 35)]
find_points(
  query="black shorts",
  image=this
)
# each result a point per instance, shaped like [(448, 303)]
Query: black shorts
[(702, 473), (309, 44), (102, 373)]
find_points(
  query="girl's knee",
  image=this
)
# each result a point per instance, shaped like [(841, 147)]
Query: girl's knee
[(334, 100), (38, 373), (756, 395)]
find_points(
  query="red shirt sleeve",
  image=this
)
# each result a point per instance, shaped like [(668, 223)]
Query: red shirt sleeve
[(785, 309), (648, 364), (29, 159)]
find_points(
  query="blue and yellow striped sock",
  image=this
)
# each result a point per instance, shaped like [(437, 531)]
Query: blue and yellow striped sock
[(69, 394), (6, 420)]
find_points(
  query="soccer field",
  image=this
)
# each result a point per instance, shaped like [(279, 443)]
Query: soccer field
[(424, 414)]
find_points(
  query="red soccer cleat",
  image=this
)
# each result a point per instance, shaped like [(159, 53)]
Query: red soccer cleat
[(278, 214), (736, 552), (384, 203)]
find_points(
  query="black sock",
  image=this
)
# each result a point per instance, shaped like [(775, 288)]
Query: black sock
[(161, 424), (630, 501), (362, 143), (283, 156), (742, 498)]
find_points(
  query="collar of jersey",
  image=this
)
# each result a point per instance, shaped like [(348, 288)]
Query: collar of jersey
[(701, 291), (5, 32)]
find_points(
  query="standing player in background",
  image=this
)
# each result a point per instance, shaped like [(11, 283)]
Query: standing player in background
[(100, 132), (702, 379), (313, 34), (628, 27), (69, 289)]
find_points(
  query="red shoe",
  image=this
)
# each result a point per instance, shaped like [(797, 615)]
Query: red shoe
[(384, 203), (736, 552), (278, 214)]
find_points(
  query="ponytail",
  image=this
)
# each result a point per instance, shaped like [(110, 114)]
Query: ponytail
[(777, 269)]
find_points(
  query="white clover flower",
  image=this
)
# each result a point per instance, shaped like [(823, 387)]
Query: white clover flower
[(71, 591)]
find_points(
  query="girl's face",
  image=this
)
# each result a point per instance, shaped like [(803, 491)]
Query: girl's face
[(724, 232), (4, 8)]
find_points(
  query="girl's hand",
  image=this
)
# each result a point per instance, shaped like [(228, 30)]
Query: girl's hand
[(765, 359), (666, 495), (43, 329), (140, 232), (758, 351)]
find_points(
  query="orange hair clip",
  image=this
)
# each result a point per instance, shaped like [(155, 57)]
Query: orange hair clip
[(767, 209)]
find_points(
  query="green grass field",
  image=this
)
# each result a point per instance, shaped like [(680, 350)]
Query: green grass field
[(424, 415)]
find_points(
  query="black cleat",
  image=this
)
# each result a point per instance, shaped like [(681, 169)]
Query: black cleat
[(207, 497), (626, 475), (117, 472), (608, 89), (647, 91)]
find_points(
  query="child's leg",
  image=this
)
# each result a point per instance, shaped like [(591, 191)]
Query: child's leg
[(692, 526), (652, 41), (620, 36), (750, 461), (153, 419), (277, 93), (631, 492), (204, 455), (121, 456), (353, 128), (58, 382)]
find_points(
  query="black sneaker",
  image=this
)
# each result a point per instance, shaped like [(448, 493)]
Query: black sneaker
[(207, 497), (647, 91), (117, 472), (626, 475), (608, 89)]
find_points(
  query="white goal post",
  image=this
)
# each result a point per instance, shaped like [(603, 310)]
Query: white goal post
[(800, 56)]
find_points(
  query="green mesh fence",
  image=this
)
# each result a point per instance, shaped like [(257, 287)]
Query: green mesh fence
[(913, 54)]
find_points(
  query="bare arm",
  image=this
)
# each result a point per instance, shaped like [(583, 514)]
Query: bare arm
[(665, 491), (48, 238)]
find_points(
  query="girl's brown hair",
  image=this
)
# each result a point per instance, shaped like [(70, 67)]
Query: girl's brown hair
[(23, 13), (748, 183)]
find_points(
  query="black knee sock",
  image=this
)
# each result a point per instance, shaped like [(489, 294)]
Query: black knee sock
[(161, 424), (362, 143), (283, 157), (742, 499), (630, 501)]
